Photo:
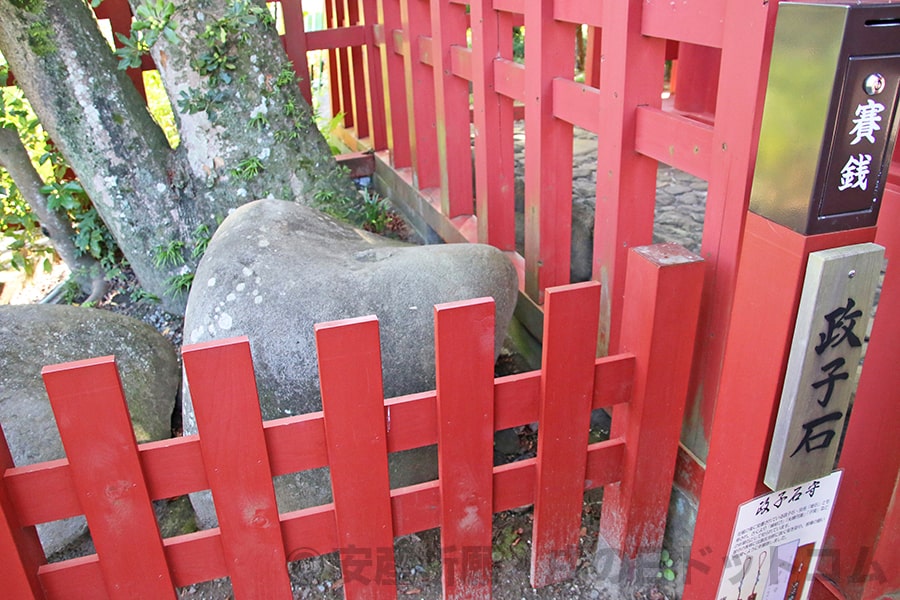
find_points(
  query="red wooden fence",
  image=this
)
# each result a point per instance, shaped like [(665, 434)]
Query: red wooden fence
[(399, 70), (112, 480), (708, 129)]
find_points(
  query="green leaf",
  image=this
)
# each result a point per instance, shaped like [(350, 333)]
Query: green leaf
[(669, 574)]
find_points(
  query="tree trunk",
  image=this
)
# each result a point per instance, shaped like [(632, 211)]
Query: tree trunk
[(253, 110), (246, 131), (99, 122), (85, 269)]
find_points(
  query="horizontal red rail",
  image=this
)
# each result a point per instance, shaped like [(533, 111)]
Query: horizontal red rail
[(44, 492), (577, 11), (311, 532), (509, 78), (700, 22), (341, 37), (577, 104), (674, 139)]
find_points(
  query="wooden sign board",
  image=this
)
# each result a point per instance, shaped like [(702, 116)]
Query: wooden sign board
[(823, 365)]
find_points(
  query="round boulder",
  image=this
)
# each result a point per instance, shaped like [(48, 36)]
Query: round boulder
[(274, 269), (35, 335)]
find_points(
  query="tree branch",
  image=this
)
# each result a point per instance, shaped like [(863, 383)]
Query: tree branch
[(100, 123), (85, 269)]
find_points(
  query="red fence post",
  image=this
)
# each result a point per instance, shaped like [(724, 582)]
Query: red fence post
[(396, 112), (349, 354), (659, 325), (567, 391), (698, 79), (448, 29), (548, 164), (592, 57), (338, 65), (464, 355), (223, 392), (106, 471), (20, 549), (295, 44), (769, 282), (744, 65), (374, 77), (631, 76), (420, 100), (358, 96), (493, 119)]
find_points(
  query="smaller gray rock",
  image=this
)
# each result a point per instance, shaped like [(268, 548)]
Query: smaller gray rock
[(33, 336)]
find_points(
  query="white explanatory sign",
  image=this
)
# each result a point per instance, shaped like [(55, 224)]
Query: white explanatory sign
[(777, 541)]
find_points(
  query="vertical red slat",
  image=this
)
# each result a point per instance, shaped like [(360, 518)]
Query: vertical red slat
[(464, 351), (747, 36), (233, 446), (448, 28), (349, 354), (662, 292), (334, 63), (342, 55), (358, 96), (420, 100), (548, 163), (751, 383), (345, 85), (20, 549), (295, 44), (396, 112), (567, 391), (632, 76), (493, 120), (374, 77), (106, 471)]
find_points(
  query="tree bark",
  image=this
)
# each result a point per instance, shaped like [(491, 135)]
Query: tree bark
[(254, 137), (100, 123), (255, 115), (85, 269)]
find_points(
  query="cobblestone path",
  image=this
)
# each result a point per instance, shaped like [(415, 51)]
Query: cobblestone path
[(680, 201)]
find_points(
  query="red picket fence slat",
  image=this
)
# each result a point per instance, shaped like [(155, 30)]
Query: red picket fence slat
[(349, 355), (107, 477), (235, 458), (464, 347), (570, 341), (236, 455)]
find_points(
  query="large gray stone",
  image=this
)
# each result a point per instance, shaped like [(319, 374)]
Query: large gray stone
[(274, 269), (32, 336)]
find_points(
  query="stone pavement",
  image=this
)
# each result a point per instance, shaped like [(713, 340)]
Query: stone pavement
[(680, 202)]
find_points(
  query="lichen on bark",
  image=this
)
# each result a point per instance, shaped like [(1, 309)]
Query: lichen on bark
[(148, 194)]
